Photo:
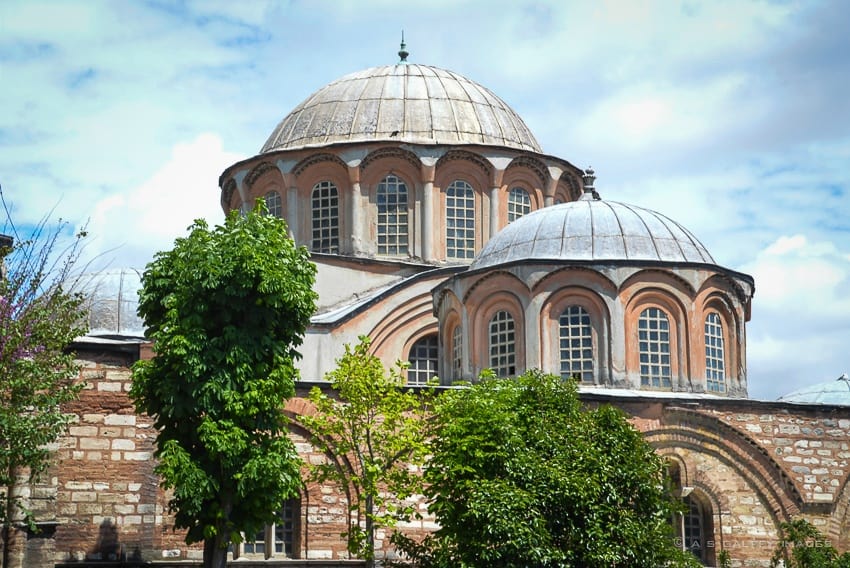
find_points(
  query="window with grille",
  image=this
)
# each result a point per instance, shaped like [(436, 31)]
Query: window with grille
[(694, 528), (277, 540), (325, 204), (423, 361), (273, 204), (654, 348), (576, 344), (715, 365), (457, 353), (392, 216), (460, 221), (503, 344), (519, 204)]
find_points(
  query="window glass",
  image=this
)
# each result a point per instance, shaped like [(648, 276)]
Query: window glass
[(457, 353), (715, 367), (519, 204), (503, 344), (654, 348), (392, 216), (273, 204), (460, 221), (423, 361), (325, 208), (576, 344)]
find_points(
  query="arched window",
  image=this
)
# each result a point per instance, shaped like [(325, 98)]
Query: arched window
[(460, 220), (457, 353), (715, 365), (325, 217), (519, 204), (693, 526), (280, 539), (392, 216), (273, 204), (502, 344), (576, 343), (423, 361), (654, 348)]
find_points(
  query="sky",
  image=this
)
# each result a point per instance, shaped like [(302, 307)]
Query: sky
[(732, 118)]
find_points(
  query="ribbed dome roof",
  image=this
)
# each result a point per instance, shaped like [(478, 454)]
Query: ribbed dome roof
[(830, 392), (402, 103), (113, 296), (590, 230)]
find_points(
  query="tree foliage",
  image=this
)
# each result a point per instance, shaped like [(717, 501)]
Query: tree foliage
[(523, 476), (378, 427), (801, 545), (40, 316), (226, 308)]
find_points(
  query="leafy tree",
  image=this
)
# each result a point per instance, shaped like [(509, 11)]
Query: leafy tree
[(801, 545), (378, 427), (226, 309), (523, 476), (40, 315)]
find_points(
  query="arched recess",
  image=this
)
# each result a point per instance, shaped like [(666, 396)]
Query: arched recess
[(422, 346), (312, 173), (553, 310), (838, 529), (482, 314), (715, 305), (644, 301), (294, 410), (453, 169), (683, 430), (229, 196), (568, 188), (527, 174), (410, 317), (263, 179)]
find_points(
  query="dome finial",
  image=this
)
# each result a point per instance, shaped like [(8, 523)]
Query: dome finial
[(589, 178), (403, 53)]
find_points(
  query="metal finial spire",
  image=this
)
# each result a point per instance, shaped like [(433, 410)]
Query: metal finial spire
[(589, 178), (403, 53)]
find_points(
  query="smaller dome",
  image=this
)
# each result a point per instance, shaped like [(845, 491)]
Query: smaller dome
[(830, 392), (113, 297), (593, 230)]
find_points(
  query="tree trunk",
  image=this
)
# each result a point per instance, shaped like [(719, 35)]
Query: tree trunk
[(370, 533), (214, 555)]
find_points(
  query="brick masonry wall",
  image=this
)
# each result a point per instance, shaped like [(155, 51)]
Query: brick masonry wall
[(752, 464)]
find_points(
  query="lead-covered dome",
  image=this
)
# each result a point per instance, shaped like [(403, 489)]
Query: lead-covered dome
[(402, 103), (830, 392), (593, 230)]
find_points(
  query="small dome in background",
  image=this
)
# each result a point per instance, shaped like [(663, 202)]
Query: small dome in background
[(402, 103), (829, 392), (113, 297), (593, 230)]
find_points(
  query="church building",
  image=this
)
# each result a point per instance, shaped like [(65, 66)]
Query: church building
[(444, 232)]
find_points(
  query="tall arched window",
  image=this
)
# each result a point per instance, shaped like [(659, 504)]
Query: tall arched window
[(457, 353), (392, 216), (423, 360), (460, 220), (576, 343), (654, 348), (325, 210), (502, 344), (519, 204), (694, 529), (273, 204), (715, 365)]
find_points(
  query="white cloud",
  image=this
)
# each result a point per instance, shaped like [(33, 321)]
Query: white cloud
[(129, 227)]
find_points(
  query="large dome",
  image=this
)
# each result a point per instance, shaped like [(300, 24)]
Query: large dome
[(593, 230), (830, 392), (402, 103)]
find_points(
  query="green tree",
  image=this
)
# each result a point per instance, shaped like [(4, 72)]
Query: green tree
[(801, 545), (40, 315), (521, 475), (226, 308), (377, 427)]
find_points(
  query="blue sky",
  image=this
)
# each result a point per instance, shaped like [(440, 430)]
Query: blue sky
[(731, 117)]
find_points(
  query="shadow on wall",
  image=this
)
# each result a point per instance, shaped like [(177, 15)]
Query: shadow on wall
[(109, 547)]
